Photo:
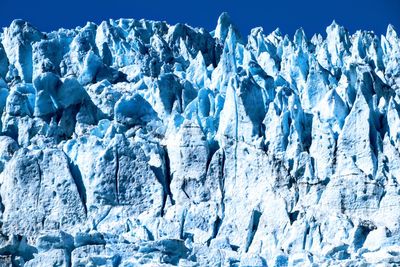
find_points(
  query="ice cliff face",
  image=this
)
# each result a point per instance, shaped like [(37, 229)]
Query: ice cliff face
[(140, 143)]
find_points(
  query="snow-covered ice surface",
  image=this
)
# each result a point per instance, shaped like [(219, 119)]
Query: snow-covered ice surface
[(136, 142)]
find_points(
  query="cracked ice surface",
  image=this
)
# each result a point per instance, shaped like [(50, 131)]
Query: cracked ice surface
[(135, 142)]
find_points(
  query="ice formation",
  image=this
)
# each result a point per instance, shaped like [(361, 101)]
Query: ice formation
[(136, 142)]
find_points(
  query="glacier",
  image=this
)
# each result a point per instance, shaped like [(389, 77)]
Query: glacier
[(139, 143)]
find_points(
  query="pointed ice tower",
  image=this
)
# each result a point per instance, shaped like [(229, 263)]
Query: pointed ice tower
[(17, 41), (338, 43), (223, 25)]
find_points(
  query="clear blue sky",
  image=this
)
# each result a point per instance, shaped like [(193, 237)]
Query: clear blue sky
[(312, 15)]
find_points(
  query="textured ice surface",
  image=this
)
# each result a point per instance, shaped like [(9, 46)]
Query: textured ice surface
[(136, 142)]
